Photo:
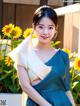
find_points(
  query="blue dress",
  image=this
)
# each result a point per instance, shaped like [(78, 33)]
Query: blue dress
[(54, 86)]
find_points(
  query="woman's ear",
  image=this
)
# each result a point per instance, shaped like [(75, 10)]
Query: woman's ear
[(33, 27), (56, 28), (55, 31)]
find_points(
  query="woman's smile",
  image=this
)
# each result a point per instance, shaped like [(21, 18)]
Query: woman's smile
[(44, 36)]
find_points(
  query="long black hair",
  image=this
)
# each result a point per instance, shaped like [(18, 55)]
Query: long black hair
[(45, 11)]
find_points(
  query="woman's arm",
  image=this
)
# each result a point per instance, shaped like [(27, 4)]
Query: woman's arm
[(69, 94), (28, 89)]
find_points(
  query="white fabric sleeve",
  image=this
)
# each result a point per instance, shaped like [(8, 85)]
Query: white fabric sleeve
[(19, 54), (18, 59)]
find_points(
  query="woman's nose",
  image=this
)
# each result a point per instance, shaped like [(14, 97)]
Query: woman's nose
[(45, 31)]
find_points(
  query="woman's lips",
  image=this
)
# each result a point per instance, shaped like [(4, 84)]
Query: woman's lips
[(44, 37)]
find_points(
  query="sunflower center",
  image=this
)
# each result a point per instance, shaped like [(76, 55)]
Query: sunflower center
[(8, 61), (7, 30), (79, 63)]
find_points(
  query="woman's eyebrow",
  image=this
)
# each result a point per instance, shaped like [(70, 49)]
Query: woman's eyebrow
[(51, 25)]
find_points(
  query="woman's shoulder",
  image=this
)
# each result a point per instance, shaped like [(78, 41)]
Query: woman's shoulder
[(64, 55)]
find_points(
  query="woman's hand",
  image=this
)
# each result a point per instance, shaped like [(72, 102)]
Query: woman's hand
[(69, 94)]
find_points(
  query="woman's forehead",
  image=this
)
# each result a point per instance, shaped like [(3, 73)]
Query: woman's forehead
[(46, 21)]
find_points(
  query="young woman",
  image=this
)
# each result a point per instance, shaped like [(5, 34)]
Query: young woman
[(43, 70)]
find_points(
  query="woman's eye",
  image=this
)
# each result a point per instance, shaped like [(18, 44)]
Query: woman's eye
[(40, 27), (50, 27)]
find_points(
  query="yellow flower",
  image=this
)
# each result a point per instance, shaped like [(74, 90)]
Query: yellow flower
[(27, 32), (7, 29), (16, 32), (8, 61), (77, 64)]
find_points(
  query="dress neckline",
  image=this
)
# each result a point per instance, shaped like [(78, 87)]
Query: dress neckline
[(50, 57), (38, 56), (53, 56)]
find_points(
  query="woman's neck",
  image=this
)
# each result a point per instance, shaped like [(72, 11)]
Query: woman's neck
[(44, 46)]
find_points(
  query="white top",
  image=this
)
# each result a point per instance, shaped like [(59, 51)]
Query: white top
[(25, 55)]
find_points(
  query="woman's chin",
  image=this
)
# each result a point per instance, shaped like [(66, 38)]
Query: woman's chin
[(44, 41)]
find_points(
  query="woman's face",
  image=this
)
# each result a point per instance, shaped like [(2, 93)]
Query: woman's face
[(45, 30)]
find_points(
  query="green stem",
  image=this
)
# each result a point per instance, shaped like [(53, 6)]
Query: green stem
[(11, 43), (75, 77), (72, 73), (72, 70), (77, 95)]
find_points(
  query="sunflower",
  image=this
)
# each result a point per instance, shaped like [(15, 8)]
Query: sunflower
[(8, 60), (16, 32), (27, 32), (7, 29), (77, 64)]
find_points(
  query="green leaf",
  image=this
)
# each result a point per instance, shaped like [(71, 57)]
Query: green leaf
[(5, 75), (55, 43)]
